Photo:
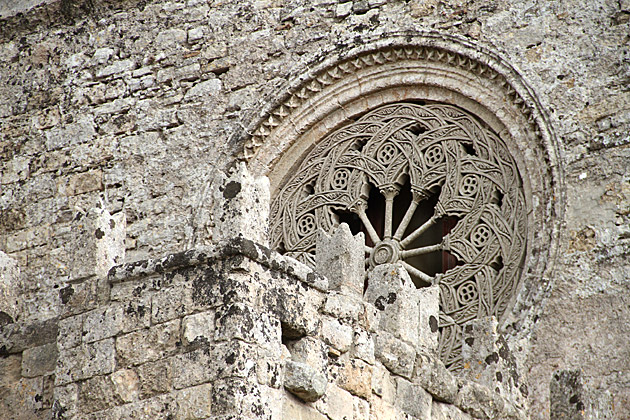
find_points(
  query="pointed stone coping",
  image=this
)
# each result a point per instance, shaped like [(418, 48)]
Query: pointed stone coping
[(223, 250)]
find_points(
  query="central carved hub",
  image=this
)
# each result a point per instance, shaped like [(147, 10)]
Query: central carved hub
[(385, 252)]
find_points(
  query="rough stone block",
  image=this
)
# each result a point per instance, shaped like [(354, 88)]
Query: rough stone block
[(396, 355), (247, 324), (391, 290), (435, 378), (200, 365), (337, 404), (488, 359), (294, 409), (241, 206), (383, 383), (479, 401), (102, 392), (66, 399), (429, 310), (238, 397), (97, 245), (304, 381), (363, 346), (39, 361), (22, 400), (10, 288), (198, 328), (112, 320), (413, 399), (343, 307), (116, 68), (341, 258), (336, 335), (310, 351), (173, 302), (194, 403), (15, 338), (85, 361), (296, 308), (382, 410), (567, 395), (155, 377), (148, 344), (442, 411), (70, 332), (355, 376)]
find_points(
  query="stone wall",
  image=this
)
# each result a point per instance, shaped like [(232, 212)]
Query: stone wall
[(239, 331), (129, 107)]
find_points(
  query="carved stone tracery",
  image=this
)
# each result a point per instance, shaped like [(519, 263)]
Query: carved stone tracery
[(433, 153)]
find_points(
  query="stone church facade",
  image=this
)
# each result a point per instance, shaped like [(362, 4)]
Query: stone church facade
[(314, 210)]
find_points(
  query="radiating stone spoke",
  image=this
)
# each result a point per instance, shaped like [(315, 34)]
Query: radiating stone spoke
[(420, 251), (368, 225), (425, 278), (426, 225), (400, 231), (389, 206)]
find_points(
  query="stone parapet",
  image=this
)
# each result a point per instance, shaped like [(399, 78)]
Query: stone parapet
[(240, 331)]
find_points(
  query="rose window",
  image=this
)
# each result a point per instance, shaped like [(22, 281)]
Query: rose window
[(432, 188)]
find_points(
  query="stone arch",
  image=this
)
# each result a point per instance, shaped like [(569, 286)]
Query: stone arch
[(434, 68)]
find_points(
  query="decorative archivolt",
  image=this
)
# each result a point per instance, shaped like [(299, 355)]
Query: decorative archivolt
[(423, 151), (348, 67)]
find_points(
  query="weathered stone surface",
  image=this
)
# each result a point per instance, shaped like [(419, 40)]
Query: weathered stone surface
[(194, 403), (304, 381), (355, 376), (295, 409), (242, 206), (488, 359), (343, 307), (336, 335), (102, 392), (148, 344), (10, 287), (433, 376), (155, 377), (15, 338), (114, 319), (99, 243), (72, 141), (242, 322), (200, 365), (567, 396), (310, 351), (198, 328), (337, 404), (85, 361), (442, 411), (413, 399), (383, 383), (339, 257), (363, 346), (396, 355), (39, 361), (391, 291)]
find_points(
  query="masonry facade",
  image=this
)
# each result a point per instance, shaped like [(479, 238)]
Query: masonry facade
[(124, 123)]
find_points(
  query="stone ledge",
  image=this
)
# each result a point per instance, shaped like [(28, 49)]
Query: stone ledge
[(225, 249)]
